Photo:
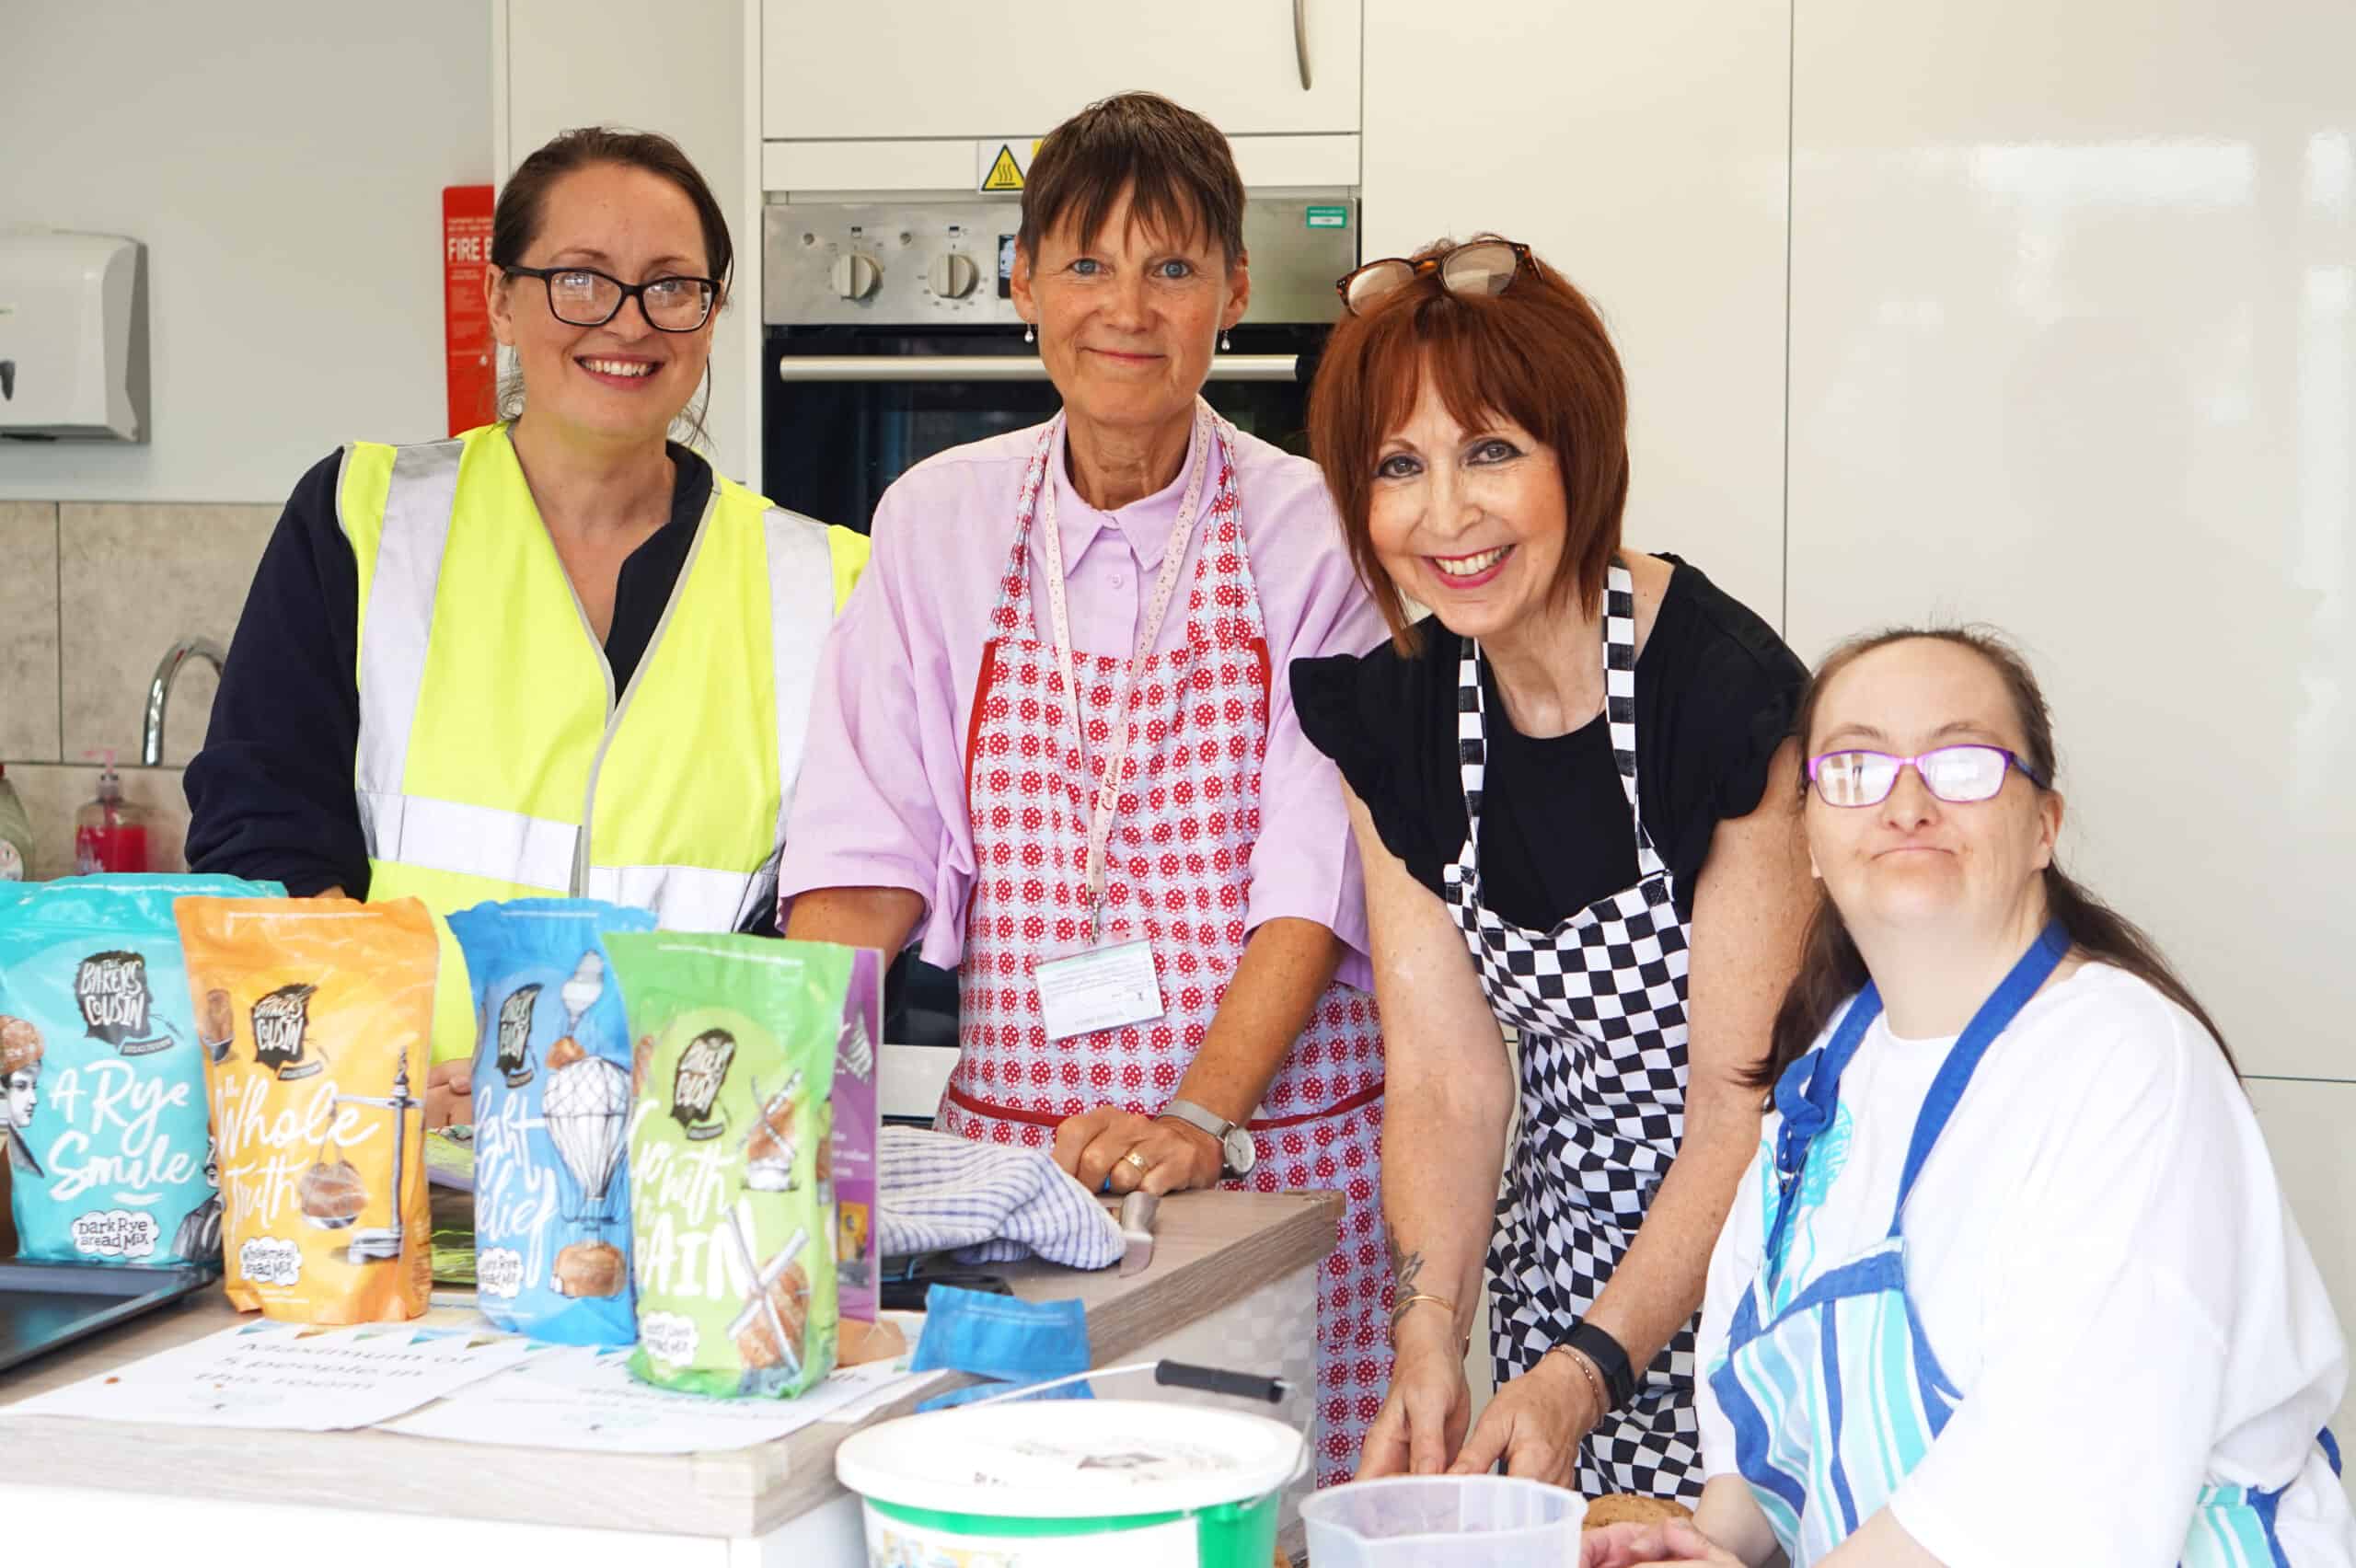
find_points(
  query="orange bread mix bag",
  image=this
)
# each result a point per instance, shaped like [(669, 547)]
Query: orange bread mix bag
[(314, 1015)]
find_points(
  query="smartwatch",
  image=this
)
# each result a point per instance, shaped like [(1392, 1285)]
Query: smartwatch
[(1610, 1358), (1238, 1153)]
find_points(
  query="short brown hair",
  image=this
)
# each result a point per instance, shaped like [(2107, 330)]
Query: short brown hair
[(1177, 165), (1536, 354)]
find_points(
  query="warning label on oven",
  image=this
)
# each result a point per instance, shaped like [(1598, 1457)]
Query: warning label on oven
[(1001, 168)]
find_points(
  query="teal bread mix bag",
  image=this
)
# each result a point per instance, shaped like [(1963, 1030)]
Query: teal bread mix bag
[(102, 1057), (732, 1220)]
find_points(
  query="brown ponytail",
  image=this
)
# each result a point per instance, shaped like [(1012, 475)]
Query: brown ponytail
[(1831, 970)]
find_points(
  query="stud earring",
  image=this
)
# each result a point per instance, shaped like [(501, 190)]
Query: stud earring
[(1030, 333), (1225, 342)]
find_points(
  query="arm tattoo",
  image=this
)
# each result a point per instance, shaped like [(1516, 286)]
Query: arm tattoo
[(1404, 1268)]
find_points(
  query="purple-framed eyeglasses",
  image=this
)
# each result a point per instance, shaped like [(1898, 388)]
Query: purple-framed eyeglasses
[(1959, 774)]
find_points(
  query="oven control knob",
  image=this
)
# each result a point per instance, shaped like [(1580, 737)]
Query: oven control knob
[(855, 276), (953, 275)]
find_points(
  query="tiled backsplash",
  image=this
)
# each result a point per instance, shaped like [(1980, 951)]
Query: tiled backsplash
[(90, 597), (29, 627)]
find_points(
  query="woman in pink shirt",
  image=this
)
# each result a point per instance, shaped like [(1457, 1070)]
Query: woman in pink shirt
[(1163, 980)]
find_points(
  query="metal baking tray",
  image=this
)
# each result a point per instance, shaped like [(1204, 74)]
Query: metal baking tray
[(43, 1306)]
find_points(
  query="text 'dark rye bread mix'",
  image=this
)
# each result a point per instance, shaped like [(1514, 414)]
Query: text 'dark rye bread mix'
[(318, 1013), (102, 1062)]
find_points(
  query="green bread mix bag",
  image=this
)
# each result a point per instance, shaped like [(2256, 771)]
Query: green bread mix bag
[(732, 1225)]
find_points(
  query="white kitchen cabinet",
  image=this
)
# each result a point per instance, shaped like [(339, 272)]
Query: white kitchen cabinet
[(562, 63), (1640, 149), (940, 68), (2306, 1127), (2073, 351)]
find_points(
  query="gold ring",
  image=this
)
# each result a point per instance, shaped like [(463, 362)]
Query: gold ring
[(1134, 1158)]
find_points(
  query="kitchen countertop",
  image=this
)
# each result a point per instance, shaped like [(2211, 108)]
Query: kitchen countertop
[(1211, 1249)]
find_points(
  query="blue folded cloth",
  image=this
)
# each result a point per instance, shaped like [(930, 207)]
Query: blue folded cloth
[(1011, 1341), (986, 1204)]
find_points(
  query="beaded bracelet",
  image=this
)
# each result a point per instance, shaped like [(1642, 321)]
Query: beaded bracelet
[(1587, 1371)]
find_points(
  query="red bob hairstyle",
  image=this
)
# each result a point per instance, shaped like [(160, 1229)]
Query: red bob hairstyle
[(1536, 354)]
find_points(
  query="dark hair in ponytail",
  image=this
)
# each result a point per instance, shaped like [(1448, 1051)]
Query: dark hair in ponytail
[(1831, 970)]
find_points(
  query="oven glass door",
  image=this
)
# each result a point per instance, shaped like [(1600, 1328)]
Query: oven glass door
[(849, 410)]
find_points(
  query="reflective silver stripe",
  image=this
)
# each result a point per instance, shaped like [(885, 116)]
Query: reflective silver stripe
[(400, 623), (684, 898), (617, 707), (476, 841), (510, 846), (802, 608)]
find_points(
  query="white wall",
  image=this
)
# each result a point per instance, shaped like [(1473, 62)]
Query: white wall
[(2081, 360), (678, 70), (1641, 149), (283, 163)]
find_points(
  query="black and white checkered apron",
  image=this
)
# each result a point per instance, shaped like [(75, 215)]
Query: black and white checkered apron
[(1599, 1005)]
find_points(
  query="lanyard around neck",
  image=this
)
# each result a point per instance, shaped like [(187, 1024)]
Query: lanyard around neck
[(1165, 583)]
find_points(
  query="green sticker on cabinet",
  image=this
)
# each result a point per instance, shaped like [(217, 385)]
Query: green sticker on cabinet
[(1329, 217)]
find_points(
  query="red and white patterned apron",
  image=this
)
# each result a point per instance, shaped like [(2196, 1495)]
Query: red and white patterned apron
[(1179, 865)]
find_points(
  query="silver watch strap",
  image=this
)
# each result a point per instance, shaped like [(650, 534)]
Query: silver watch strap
[(1195, 1115)]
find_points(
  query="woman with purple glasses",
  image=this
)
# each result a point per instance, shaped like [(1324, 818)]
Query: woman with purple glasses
[(2011, 1279)]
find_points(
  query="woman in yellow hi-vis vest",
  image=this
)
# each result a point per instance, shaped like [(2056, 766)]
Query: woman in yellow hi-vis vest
[(557, 655)]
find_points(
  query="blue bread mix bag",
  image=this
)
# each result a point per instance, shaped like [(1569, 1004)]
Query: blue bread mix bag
[(102, 1059), (551, 1110)]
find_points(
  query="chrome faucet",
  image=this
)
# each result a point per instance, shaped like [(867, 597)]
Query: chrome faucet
[(159, 691)]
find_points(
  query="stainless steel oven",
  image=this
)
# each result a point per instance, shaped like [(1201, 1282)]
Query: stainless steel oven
[(891, 336)]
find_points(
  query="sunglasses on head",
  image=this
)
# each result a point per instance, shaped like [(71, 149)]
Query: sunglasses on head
[(1959, 775), (1484, 268)]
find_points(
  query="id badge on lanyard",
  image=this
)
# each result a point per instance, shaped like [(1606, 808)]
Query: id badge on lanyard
[(1109, 985)]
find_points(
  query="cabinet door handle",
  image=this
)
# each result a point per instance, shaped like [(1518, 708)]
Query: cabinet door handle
[(1300, 38)]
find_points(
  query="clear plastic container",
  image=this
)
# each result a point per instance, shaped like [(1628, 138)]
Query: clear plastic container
[(1444, 1521), (15, 835)]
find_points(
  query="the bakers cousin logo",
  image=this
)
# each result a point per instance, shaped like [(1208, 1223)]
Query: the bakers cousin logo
[(280, 1020), (515, 1034), (703, 1067), (112, 989)]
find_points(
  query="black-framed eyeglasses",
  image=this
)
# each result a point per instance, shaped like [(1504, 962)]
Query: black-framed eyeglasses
[(582, 296), (1483, 267), (1957, 775)]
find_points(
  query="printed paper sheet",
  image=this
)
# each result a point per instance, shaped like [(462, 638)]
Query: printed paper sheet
[(289, 1376), (580, 1398)]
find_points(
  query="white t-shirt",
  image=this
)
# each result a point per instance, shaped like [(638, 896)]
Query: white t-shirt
[(2103, 1262)]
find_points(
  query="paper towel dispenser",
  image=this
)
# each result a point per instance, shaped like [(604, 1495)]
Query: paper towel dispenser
[(73, 337)]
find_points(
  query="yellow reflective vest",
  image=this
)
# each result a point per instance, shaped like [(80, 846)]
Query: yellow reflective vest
[(496, 760)]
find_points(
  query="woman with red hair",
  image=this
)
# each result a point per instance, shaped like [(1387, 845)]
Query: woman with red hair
[(1560, 787)]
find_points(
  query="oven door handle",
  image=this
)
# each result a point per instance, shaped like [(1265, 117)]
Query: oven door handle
[(995, 368)]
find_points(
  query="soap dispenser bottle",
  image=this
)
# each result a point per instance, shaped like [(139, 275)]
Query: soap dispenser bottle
[(109, 833)]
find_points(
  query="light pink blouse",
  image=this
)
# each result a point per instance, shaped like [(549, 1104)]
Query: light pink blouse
[(880, 802)]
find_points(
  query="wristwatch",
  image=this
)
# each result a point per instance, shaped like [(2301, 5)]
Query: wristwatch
[(1238, 1153)]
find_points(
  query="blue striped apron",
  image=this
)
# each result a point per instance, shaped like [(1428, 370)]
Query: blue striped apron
[(1830, 1384)]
